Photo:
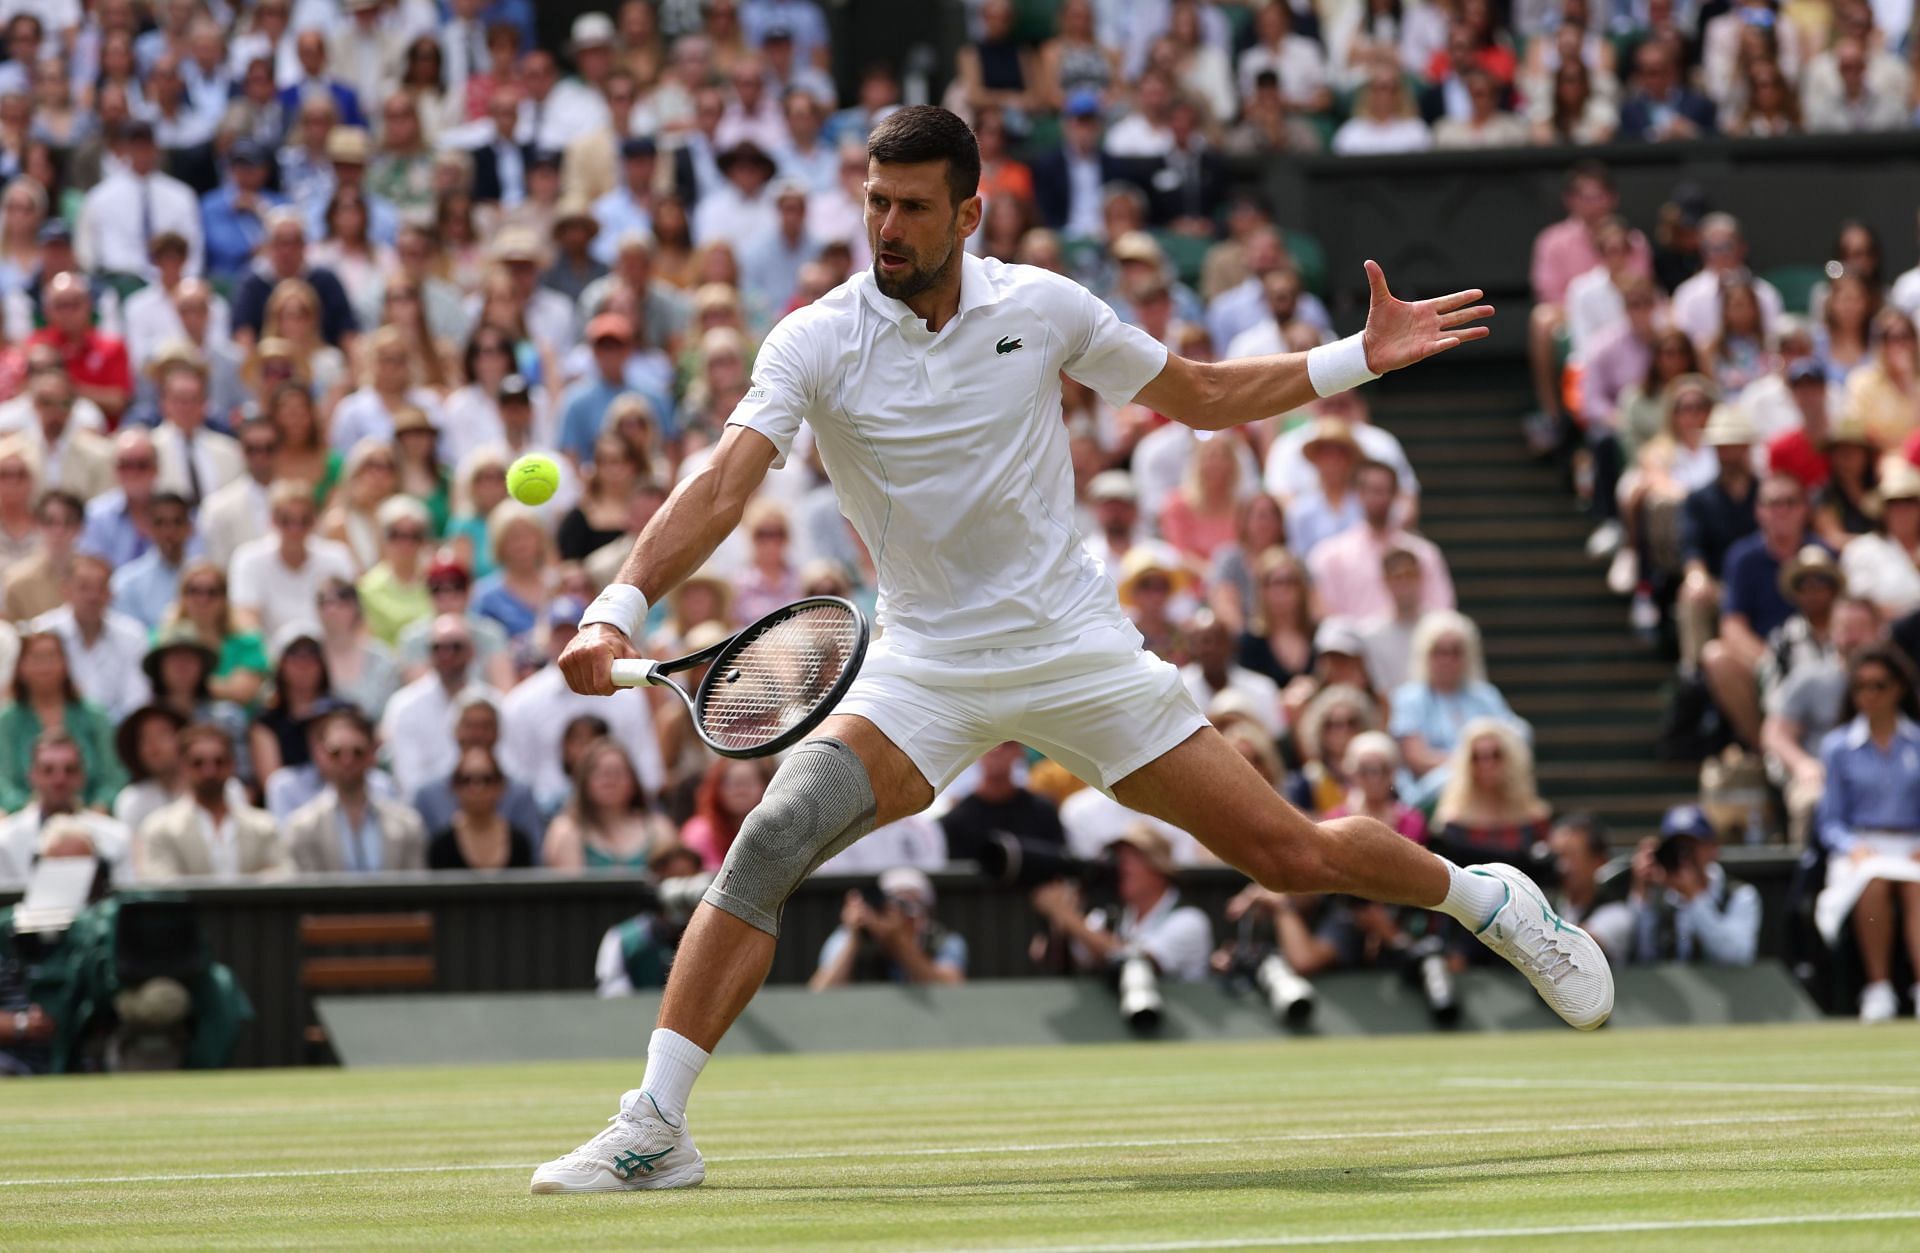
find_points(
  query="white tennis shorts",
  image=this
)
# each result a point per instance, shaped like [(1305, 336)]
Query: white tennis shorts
[(1101, 706)]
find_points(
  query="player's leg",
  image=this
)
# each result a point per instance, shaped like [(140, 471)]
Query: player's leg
[(829, 792), (1205, 788)]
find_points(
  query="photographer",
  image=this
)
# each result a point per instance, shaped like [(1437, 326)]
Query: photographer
[(894, 938), (1152, 923), (638, 953), (1685, 907)]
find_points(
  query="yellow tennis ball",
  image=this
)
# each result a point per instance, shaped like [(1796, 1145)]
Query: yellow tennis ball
[(533, 479)]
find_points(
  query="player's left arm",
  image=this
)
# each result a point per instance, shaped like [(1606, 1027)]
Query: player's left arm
[(1214, 395)]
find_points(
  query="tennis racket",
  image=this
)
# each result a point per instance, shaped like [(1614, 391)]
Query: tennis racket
[(770, 684)]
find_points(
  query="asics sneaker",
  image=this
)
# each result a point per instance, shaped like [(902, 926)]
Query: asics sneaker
[(640, 1148), (1564, 964)]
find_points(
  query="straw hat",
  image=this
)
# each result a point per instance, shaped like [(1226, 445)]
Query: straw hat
[(1152, 557), (1814, 561)]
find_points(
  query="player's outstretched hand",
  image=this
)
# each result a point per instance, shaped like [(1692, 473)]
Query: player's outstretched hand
[(588, 659), (1400, 332)]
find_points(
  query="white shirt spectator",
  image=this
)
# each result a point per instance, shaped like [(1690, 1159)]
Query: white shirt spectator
[(1594, 306), (113, 231), (1905, 295), (570, 110), (362, 414), (417, 732), (534, 718), (1359, 137), (217, 460), (550, 320), (915, 840), (1696, 306), (1289, 475), (1261, 692), (20, 842), (107, 671), (1160, 459), (1299, 63), (231, 516), (1878, 570), (764, 127), (18, 415), (742, 221), (1135, 136), (260, 581), (150, 322), (1387, 647)]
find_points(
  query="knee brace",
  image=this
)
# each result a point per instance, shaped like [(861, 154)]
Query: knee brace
[(819, 802)]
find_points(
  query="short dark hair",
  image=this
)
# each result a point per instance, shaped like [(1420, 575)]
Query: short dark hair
[(1593, 832), (925, 132), (59, 496), (1370, 466), (170, 498), (1585, 172)]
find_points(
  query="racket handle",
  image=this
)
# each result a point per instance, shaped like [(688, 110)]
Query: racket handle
[(633, 672)]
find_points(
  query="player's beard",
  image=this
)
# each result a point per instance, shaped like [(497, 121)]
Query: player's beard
[(917, 279)]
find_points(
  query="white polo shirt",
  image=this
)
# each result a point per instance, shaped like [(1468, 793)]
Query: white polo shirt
[(947, 451)]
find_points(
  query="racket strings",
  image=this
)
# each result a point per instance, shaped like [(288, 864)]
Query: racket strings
[(778, 678)]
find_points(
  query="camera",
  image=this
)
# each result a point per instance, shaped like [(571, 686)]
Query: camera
[(1139, 987), (1016, 861), (1426, 969), (677, 899), (1288, 995)]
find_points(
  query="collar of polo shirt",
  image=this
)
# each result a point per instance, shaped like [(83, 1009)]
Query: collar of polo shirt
[(976, 292)]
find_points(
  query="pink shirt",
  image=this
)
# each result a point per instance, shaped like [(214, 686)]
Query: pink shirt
[(1346, 573), (1565, 251), (1192, 534), (698, 834)]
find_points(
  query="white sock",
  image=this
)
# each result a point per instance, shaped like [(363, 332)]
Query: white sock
[(673, 1063), (1471, 898)]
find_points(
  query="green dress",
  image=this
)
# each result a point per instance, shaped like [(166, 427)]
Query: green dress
[(91, 729)]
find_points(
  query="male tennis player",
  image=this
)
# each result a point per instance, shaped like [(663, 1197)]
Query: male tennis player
[(932, 386)]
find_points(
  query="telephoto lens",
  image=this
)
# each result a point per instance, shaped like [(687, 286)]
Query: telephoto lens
[(1139, 994), (1289, 996), (1427, 970)]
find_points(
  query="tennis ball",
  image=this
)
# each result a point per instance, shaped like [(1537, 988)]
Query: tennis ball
[(533, 479)]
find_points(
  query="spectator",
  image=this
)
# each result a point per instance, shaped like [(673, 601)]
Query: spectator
[(302, 688), (151, 314), (1387, 639), (770, 266), (234, 214), (1660, 106), (1867, 818), (417, 725), (1213, 672), (1299, 64), (610, 822), (1384, 120), (33, 583), (479, 835), (1573, 111), (1697, 302), (1845, 98), (1486, 125), (1843, 340), (134, 202), (1151, 576), (369, 478), (347, 827), (1772, 108), (1151, 921), (284, 258), (476, 725), (1581, 853), (1814, 585), (728, 793), (1806, 705), (96, 362), (1754, 602), (276, 577), (1880, 565), (179, 666), (72, 456), (147, 743), (386, 388), (1278, 638), (1322, 733), (144, 589), (60, 783), (1346, 568), (1334, 506), (601, 516), (1714, 517), (1884, 394), (393, 593), (240, 668), (999, 805), (1685, 906), (1143, 131), (1490, 808), (1074, 64), (1372, 765), (1801, 448), (1845, 506), (535, 715), (898, 941), (523, 554), (103, 647), (193, 461), (1448, 690), (1199, 517), (1741, 352), (1260, 525), (448, 588), (207, 833)]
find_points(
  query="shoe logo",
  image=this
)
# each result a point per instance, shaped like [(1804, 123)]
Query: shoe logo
[(626, 1165), (1007, 345)]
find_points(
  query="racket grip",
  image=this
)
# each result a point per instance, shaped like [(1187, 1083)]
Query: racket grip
[(633, 672)]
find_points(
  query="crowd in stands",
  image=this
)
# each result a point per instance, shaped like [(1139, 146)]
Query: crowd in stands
[(1753, 462), (285, 287)]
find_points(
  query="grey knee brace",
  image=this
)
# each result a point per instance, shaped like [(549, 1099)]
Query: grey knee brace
[(819, 802)]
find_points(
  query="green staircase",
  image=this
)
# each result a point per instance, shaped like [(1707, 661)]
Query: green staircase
[(1557, 642)]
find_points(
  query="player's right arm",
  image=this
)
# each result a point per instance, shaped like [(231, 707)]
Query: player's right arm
[(699, 514)]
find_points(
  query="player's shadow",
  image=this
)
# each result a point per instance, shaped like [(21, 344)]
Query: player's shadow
[(1359, 1178)]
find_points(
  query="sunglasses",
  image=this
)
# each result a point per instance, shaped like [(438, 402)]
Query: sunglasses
[(476, 780), (407, 535), (1872, 685), (450, 646), (207, 763), (347, 752)]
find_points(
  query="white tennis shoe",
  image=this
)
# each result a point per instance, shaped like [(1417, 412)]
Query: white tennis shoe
[(640, 1148), (1561, 961)]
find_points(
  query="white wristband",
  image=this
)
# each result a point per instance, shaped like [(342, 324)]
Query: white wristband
[(1338, 366), (621, 605)]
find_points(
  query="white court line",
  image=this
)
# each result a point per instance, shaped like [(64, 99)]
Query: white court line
[(1733, 1120), (1682, 1085), (1289, 1240)]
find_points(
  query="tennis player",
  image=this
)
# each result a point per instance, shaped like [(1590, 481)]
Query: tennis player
[(932, 384)]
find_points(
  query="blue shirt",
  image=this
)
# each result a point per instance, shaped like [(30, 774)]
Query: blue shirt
[(145, 586), (583, 412), (1751, 585), (109, 531), (231, 235), (359, 846), (1438, 717), (617, 212), (1869, 790), (492, 599)]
